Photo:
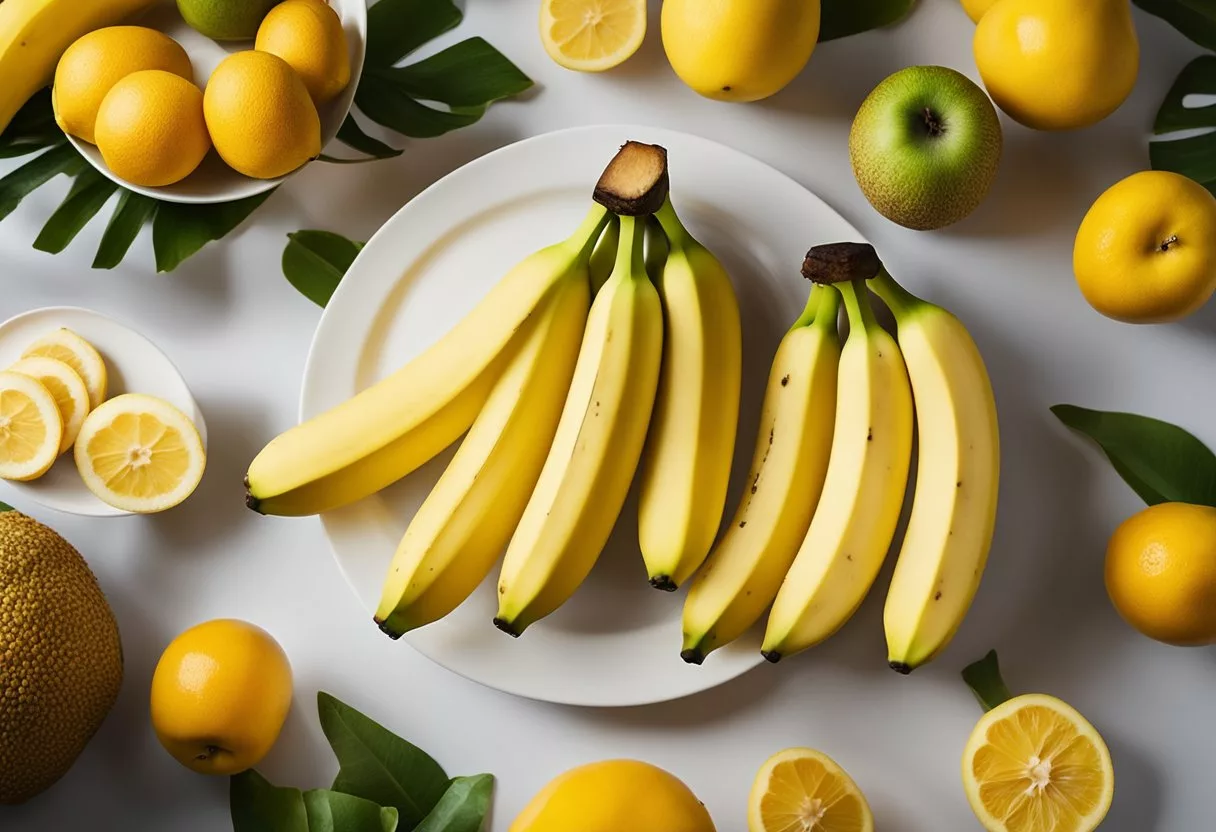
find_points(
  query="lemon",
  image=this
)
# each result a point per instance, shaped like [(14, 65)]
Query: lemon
[(67, 388), (976, 9), (140, 454), (224, 19), (150, 128), (308, 35), (261, 118), (30, 428), (592, 35), (98, 61), (800, 788), (66, 346)]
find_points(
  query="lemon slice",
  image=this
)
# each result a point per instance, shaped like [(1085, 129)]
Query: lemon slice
[(1033, 764), (66, 386), (68, 347), (592, 35), (140, 454), (802, 790), (30, 428)]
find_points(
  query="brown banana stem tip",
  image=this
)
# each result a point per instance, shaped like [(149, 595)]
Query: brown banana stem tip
[(841, 263), (635, 183)]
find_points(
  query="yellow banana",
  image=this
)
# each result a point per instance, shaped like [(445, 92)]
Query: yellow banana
[(686, 467)]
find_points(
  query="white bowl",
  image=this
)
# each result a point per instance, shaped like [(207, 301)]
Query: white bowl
[(214, 181)]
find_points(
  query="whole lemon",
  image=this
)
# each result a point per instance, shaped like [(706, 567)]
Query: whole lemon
[(739, 50), (1146, 250), (261, 118), (1161, 573), (308, 35), (97, 61), (613, 796), (220, 693), (150, 128)]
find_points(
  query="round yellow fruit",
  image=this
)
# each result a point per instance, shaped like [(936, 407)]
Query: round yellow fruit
[(801, 788), (96, 62), (150, 128), (220, 693), (976, 9), (1146, 250), (308, 35), (613, 796), (261, 118), (739, 50), (1161, 573)]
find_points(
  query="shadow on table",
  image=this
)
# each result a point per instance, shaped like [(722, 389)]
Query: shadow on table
[(1138, 790)]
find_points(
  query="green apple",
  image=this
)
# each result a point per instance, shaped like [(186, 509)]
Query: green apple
[(925, 147)]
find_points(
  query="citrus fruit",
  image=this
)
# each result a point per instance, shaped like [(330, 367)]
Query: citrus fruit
[(150, 128), (140, 454), (65, 386), (801, 789), (308, 35), (592, 35), (30, 428), (220, 694), (66, 346), (261, 118), (225, 19), (976, 9), (98, 61), (1146, 250)]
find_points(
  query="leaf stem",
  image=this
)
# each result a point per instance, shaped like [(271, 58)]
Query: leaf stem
[(984, 679)]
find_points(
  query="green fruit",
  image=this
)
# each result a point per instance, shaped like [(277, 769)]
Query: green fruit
[(226, 19), (925, 147), (60, 657)]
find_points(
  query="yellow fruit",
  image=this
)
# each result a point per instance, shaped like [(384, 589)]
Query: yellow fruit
[(1058, 64), (802, 789), (739, 50), (220, 694), (66, 346), (976, 9), (140, 454), (308, 35), (1033, 764), (150, 128), (98, 61), (614, 796), (592, 35), (1161, 573), (66, 387), (31, 428), (262, 121)]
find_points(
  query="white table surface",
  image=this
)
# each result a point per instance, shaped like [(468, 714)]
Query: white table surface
[(240, 333)]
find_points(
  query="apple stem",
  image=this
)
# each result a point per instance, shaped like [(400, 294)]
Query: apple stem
[(932, 123), (1172, 240)]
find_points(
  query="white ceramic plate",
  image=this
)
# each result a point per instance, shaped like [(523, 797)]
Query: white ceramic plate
[(134, 365), (214, 181), (617, 641)]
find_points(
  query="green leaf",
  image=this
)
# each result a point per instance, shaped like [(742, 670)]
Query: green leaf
[(315, 262), (463, 807), (379, 766), (14, 187), (330, 811), (32, 128), (395, 28), (387, 104), (984, 679), (89, 193), (1193, 157), (1194, 18), (470, 74), (1161, 462), (5, 507), (1197, 78), (352, 135), (133, 212), (179, 231), (257, 805), (841, 18)]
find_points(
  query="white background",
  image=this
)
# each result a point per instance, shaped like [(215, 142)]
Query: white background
[(240, 334)]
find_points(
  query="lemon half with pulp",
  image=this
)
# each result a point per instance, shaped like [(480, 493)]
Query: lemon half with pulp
[(592, 35), (66, 346), (30, 428), (66, 386), (802, 789)]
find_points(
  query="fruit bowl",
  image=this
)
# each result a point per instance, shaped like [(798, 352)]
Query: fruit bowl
[(214, 181)]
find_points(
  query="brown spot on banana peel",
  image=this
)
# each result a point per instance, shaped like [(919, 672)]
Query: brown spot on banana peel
[(636, 182), (841, 263)]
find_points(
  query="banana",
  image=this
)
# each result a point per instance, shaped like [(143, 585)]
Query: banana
[(745, 570), (467, 520), (862, 495), (954, 505), (35, 33), (597, 447), (686, 467), (396, 425)]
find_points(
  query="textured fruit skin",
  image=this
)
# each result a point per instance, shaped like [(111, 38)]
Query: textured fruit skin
[(220, 694), (614, 796), (261, 118), (1161, 573), (911, 177), (60, 656), (1146, 250), (308, 35), (739, 50), (94, 64), (225, 19), (1058, 64), (976, 9)]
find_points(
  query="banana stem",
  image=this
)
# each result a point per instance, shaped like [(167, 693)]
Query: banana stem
[(657, 249), (588, 234), (813, 301), (828, 315), (677, 235), (857, 304), (899, 300), (631, 253), (984, 679)]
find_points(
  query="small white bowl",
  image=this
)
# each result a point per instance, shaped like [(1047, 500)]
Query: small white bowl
[(214, 181), (134, 365)]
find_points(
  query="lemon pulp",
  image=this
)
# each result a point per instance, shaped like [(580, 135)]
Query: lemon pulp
[(592, 35), (22, 429), (801, 790)]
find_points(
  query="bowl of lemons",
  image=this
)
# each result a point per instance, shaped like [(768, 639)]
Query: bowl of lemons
[(203, 101)]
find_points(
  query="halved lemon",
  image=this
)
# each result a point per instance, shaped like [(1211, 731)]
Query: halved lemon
[(802, 790), (64, 383), (592, 35), (140, 454), (66, 346), (1033, 764), (30, 428)]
